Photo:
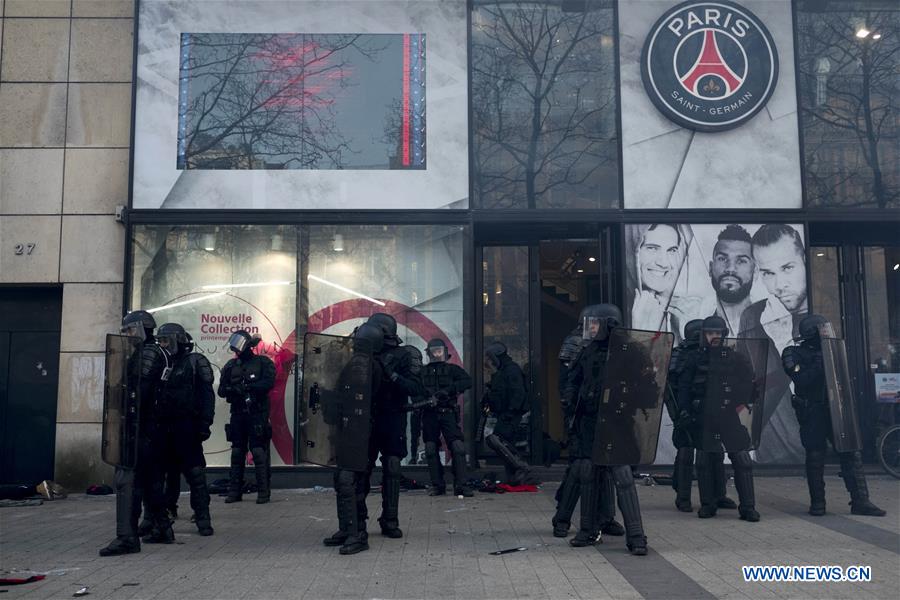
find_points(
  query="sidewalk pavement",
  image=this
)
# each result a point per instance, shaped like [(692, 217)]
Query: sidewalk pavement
[(275, 550)]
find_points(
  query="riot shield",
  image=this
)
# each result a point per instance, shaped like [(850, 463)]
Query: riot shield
[(631, 406), (121, 401), (735, 391), (335, 412), (844, 424)]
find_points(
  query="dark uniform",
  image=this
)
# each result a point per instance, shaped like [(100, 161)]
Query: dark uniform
[(401, 379), (245, 384), (444, 382), (132, 485), (692, 388), (569, 491), (186, 412), (584, 389), (506, 399), (352, 486), (804, 364)]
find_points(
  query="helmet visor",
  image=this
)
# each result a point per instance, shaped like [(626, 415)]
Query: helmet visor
[(168, 342), (135, 330), (437, 353), (826, 330), (238, 343)]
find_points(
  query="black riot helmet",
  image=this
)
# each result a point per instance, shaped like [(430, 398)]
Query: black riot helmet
[(370, 338), (139, 324), (170, 336), (189, 347), (494, 352), (437, 344), (713, 330), (813, 326), (599, 320), (692, 331), (385, 322), (241, 341)]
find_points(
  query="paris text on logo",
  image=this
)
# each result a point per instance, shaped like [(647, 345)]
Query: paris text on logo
[(709, 66)]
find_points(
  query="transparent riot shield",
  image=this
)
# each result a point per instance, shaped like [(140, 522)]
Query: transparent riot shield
[(844, 423), (631, 407), (121, 401), (335, 412), (735, 392)]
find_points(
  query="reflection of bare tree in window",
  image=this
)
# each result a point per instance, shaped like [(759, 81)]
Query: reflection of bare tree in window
[(267, 100), (850, 96), (543, 103)]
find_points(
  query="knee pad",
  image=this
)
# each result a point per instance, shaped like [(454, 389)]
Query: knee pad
[(741, 460), (702, 461), (457, 447), (622, 476), (718, 458), (815, 457), (583, 469), (431, 450), (197, 475), (391, 466), (493, 441), (345, 481), (237, 455)]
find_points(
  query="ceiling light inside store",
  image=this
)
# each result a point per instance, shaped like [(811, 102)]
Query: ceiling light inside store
[(209, 242), (897, 267), (862, 32), (338, 243), (581, 270), (820, 254), (876, 36), (185, 302), (219, 286), (344, 289), (592, 259)]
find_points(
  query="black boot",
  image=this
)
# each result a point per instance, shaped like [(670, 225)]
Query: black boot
[(589, 484), (119, 546), (357, 540), (707, 486), (684, 478), (390, 498), (855, 480), (815, 480), (718, 474), (236, 475), (569, 491), (196, 478), (517, 470), (743, 481), (260, 467), (630, 506), (435, 470), (606, 506)]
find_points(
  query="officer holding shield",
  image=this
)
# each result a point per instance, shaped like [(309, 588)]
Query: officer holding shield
[(813, 401), (245, 384)]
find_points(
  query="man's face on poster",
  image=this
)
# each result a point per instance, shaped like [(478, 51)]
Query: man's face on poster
[(782, 268), (731, 270), (658, 259)]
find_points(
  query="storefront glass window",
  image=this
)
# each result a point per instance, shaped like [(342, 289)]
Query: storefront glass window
[(213, 281), (412, 272), (849, 61), (544, 104)]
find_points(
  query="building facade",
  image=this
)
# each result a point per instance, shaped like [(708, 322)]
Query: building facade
[(482, 170)]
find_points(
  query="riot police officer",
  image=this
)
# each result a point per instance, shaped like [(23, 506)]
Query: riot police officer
[(506, 399), (584, 388), (351, 484), (401, 379), (187, 409), (245, 383), (132, 485), (805, 365), (568, 493), (444, 382), (693, 385)]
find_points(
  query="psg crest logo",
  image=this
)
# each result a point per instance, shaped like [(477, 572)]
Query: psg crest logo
[(709, 66)]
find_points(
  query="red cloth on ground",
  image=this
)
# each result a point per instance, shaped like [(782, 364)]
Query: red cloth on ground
[(517, 488)]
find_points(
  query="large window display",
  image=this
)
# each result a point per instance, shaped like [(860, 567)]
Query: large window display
[(754, 276), (849, 59), (544, 104), (216, 280)]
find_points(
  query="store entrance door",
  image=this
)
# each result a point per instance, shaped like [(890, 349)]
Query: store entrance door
[(531, 295)]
